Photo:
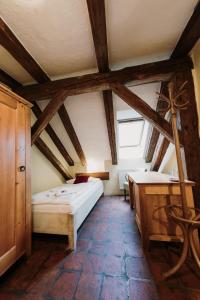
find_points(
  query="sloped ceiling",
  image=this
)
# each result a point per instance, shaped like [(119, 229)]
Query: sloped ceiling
[(58, 34)]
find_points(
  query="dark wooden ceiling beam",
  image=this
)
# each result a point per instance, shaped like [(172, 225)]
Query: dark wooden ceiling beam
[(44, 149), (10, 42), (56, 140), (108, 105), (47, 115), (97, 16), (8, 80), (144, 109), (153, 135), (156, 71), (71, 133), (190, 35), (159, 153)]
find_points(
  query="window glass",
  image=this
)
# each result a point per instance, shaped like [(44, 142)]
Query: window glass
[(130, 133)]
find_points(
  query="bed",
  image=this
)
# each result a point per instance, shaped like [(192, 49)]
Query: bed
[(63, 209)]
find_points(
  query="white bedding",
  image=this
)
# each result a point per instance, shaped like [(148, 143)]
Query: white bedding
[(66, 198)]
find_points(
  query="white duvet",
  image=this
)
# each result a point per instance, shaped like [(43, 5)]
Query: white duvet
[(68, 195)]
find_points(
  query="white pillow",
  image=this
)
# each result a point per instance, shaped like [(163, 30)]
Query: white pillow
[(71, 181), (93, 179)]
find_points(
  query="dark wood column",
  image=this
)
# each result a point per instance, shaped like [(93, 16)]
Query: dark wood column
[(190, 134)]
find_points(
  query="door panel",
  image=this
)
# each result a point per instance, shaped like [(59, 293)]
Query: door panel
[(20, 179), (7, 178)]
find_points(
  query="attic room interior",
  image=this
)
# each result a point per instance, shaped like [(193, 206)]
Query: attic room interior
[(99, 149)]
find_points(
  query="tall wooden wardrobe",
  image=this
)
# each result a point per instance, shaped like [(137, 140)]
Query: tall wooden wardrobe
[(15, 200)]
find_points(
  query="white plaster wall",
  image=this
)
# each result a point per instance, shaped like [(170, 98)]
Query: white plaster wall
[(44, 176)]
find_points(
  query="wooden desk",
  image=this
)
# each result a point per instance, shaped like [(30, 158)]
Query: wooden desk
[(148, 192)]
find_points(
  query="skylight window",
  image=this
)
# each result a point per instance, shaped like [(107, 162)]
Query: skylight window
[(131, 137), (130, 132)]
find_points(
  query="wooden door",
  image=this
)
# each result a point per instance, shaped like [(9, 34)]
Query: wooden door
[(20, 179), (7, 181)]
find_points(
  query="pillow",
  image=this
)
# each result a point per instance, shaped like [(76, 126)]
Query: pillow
[(70, 181), (81, 179), (93, 179)]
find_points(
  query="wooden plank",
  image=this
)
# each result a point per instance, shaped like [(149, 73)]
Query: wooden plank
[(108, 105), (155, 71), (97, 16), (44, 149), (159, 153), (8, 80), (143, 109), (153, 134), (28, 184), (10, 42), (190, 35), (47, 115), (56, 140), (71, 133), (101, 175), (189, 126)]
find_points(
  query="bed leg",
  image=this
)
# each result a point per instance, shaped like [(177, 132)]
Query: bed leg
[(72, 235)]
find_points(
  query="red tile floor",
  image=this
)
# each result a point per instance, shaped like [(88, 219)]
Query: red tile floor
[(109, 264)]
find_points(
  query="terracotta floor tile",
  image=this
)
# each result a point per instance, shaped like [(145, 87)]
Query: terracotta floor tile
[(94, 263), (114, 265), (23, 274), (166, 293), (114, 288), (75, 261), (158, 269), (10, 296), (83, 245), (137, 268), (43, 281), (65, 286), (142, 290), (189, 278), (108, 253), (134, 249), (116, 248), (99, 247), (88, 287)]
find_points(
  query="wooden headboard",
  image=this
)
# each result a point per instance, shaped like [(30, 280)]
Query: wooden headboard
[(101, 175)]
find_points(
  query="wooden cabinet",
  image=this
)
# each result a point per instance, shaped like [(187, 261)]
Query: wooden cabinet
[(15, 205), (149, 193)]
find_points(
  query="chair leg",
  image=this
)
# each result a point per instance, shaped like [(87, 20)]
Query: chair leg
[(124, 194)]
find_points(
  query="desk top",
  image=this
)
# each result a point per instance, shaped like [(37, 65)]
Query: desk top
[(154, 178)]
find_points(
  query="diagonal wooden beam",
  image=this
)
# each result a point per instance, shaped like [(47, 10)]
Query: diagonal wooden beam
[(56, 140), (8, 80), (143, 109), (52, 158), (71, 133), (190, 35), (47, 115), (156, 71), (97, 16), (108, 105), (153, 135), (10, 42), (159, 153)]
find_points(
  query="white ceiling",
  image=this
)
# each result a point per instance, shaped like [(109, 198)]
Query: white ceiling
[(57, 33)]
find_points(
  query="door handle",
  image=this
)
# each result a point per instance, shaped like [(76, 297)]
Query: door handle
[(22, 168)]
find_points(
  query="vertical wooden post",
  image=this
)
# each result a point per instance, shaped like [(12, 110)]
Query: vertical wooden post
[(189, 125)]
